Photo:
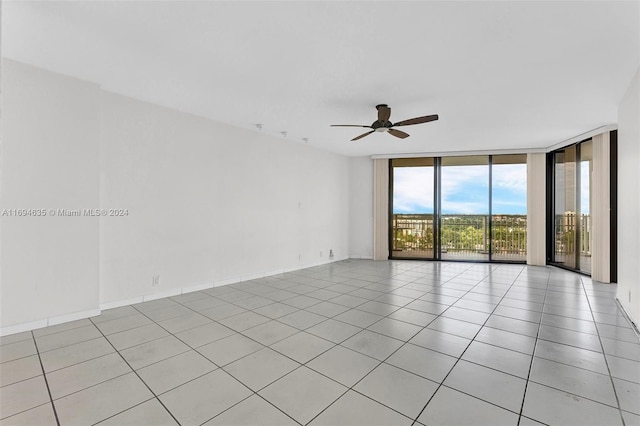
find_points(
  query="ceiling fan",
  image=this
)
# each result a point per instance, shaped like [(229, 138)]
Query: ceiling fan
[(382, 124)]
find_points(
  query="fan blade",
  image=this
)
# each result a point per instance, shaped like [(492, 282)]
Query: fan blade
[(384, 112), (363, 135), (349, 125), (398, 133), (417, 120)]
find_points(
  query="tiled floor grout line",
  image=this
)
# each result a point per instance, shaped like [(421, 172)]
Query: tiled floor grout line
[(606, 361), (388, 281), (46, 381), (140, 378), (470, 342), (533, 354)]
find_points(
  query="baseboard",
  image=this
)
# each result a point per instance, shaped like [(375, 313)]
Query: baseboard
[(361, 256), (34, 325), (627, 312)]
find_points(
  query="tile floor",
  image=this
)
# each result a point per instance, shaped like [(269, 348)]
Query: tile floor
[(353, 342)]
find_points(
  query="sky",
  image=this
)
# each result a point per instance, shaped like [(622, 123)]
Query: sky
[(465, 189)]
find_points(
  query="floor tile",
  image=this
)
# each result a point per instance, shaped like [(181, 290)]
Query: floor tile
[(394, 328), (442, 342), (244, 321), (136, 336), (152, 352), (334, 331), (450, 407), (303, 394), (623, 368), (570, 337), (452, 326), (16, 337), (204, 398), (621, 349), (302, 346), (302, 319), (572, 355), (102, 401), (301, 301), (223, 311), (66, 338), (184, 322), (424, 362), (348, 300), (343, 365), (270, 332), (468, 315), (252, 411), (149, 413), (507, 340), (630, 419), (573, 380), (19, 369), (617, 333), (175, 371), (83, 375), (373, 344), (328, 309), (411, 316), (556, 407), (167, 312), (201, 335), (358, 318), (23, 396), (513, 325), (398, 389), (378, 308), (229, 349), (41, 415), (73, 354), (65, 326), (498, 358), (277, 310), (501, 389), (629, 395), (354, 409), (261, 368), (122, 324)]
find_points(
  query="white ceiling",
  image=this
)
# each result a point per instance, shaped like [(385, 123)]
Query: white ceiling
[(501, 75)]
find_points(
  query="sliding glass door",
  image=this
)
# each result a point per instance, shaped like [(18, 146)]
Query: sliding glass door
[(412, 219), (572, 168), (464, 219), (459, 208)]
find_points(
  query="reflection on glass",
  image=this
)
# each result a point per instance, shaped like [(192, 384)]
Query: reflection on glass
[(464, 222), (413, 208), (565, 207), (509, 207)]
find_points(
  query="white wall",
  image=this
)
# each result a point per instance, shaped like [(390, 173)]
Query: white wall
[(361, 208), (629, 200), (207, 203), (50, 144), (210, 203)]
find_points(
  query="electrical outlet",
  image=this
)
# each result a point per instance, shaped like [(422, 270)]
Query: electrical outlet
[(629, 296), (330, 252), (155, 280)]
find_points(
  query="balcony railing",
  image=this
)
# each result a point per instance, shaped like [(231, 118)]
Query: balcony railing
[(461, 235)]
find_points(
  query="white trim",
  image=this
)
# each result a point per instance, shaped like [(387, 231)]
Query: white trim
[(583, 136), (459, 153), (361, 256), (18, 328), (33, 325), (562, 144)]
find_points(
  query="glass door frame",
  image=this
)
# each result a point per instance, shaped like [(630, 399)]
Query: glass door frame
[(437, 218)]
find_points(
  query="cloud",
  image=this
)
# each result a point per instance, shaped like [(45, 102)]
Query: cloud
[(465, 189)]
